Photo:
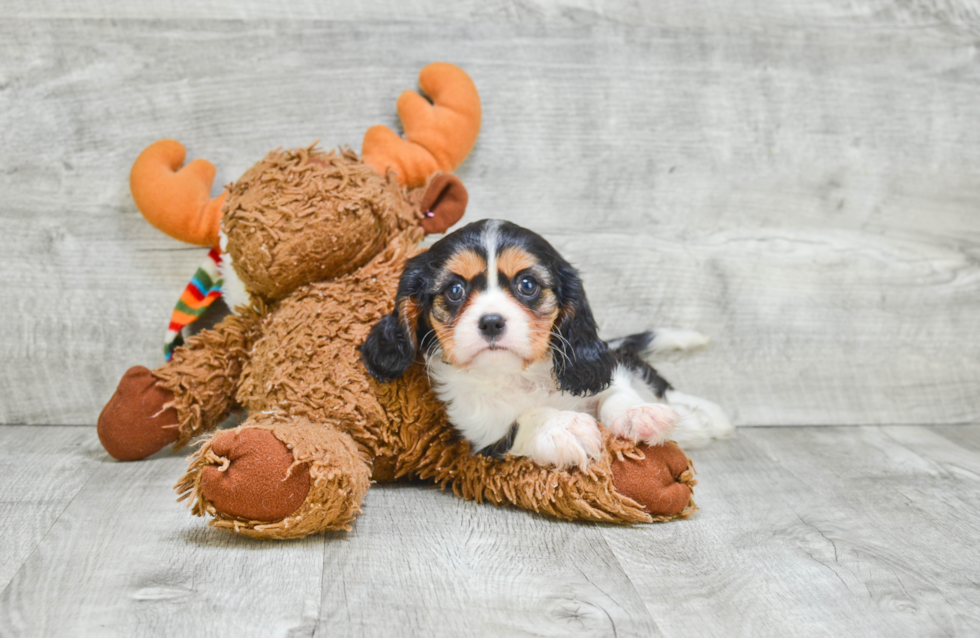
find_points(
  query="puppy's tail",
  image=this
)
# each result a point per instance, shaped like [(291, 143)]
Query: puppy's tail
[(659, 340), (700, 420), (630, 351)]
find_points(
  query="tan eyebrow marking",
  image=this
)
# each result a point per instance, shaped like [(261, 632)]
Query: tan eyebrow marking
[(513, 260), (467, 264)]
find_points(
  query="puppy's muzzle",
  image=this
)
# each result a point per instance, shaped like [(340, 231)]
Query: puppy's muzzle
[(492, 326)]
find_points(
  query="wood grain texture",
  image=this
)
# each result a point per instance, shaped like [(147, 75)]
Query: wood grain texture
[(802, 531), (446, 567), (124, 559), (963, 15), (967, 438), (819, 531), (42, 470), (797, 182)]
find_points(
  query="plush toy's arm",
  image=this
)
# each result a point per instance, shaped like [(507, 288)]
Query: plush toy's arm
[(188, 395), (628, 484), (204, 374)]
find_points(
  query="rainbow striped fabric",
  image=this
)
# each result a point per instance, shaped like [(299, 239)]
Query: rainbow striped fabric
[(202, 291)]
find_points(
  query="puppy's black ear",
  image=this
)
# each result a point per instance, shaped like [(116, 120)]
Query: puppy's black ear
[(582, 361), (388, 350), (393, 342)]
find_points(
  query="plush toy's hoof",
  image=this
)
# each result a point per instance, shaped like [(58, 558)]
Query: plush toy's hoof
[(661, 482), (257, 479), (134, 424), (277, 478)]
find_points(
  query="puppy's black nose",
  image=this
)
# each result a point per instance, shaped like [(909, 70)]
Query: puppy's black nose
[(492, 326)]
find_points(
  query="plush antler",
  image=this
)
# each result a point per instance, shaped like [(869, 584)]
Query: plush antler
[(177, 200), (438, 136)]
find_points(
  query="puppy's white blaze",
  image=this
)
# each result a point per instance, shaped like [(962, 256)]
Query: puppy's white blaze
[(489, 239), (516, 338)]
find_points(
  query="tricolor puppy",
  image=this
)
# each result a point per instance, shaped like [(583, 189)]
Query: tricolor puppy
[(511, 347)]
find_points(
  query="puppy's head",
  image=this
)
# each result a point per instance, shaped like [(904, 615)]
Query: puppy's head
[(492, 294)]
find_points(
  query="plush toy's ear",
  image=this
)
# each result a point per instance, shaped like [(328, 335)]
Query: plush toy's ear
[(444, 203), (582, 361), (393, 342)]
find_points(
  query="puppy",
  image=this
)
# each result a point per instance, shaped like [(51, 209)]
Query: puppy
[(512, 349)]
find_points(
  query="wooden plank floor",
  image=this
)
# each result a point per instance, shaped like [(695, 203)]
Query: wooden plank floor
[(803, 531)]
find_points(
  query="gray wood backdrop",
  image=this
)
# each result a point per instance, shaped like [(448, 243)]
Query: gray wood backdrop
[(799, 180)]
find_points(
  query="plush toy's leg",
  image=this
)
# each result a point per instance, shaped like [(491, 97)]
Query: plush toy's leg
[(659, 478), (190, 394), (138, 420), (275, 478), (628, 484)]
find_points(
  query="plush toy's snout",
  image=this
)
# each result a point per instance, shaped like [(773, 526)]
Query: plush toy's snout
[(303, 215)]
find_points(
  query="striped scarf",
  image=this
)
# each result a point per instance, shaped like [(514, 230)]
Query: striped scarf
[(202, 291)]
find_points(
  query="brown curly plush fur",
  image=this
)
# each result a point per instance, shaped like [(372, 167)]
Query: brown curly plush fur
[(327, 215), (320, 240), (292, 361), (203, 375)]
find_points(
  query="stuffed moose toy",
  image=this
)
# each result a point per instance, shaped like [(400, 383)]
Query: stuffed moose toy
[(319, 241)]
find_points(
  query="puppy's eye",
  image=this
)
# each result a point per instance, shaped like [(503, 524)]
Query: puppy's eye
[(527, 287), (455, 292)]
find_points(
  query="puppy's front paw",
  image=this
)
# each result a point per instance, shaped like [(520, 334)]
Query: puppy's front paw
[(648, 423), (568, 439)]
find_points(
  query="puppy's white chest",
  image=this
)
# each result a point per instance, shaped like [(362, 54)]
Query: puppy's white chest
[(484, 403)]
